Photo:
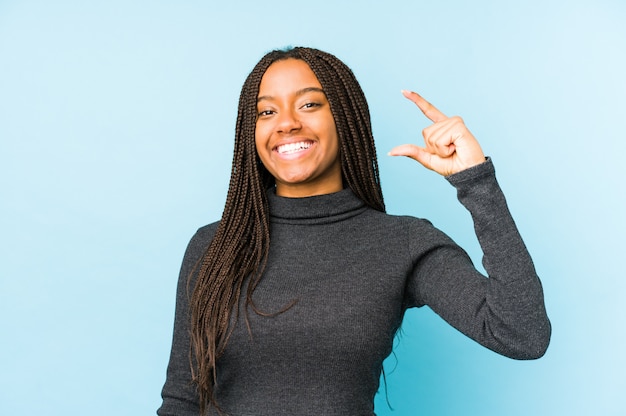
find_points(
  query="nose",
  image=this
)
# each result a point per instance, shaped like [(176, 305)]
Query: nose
[(288, 122)]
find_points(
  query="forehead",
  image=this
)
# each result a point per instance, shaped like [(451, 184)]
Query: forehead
[(287, 76)]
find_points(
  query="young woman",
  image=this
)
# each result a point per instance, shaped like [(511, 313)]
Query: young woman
[(290, 303)]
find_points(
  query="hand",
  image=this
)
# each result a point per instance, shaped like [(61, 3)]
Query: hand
[(450, 147)]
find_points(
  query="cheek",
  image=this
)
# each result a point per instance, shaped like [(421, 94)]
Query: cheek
[(260, 144), (333, 137)]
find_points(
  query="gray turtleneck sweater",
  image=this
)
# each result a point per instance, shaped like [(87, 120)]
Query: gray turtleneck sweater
[(353, 271)]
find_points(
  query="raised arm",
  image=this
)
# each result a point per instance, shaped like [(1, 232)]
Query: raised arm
[(506, 311)]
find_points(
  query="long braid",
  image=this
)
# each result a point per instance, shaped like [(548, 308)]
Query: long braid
[(240, 247), (351, 113)]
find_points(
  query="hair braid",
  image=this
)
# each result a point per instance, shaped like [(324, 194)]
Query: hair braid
[(351, 113), (240, 246)]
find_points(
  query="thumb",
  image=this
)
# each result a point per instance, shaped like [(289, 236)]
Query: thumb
[(414, 152)]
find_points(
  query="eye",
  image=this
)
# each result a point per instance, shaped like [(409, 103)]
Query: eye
[(311, 105), (265, 113)]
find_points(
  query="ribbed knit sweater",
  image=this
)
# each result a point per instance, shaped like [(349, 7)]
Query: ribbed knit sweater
[(352, 272)]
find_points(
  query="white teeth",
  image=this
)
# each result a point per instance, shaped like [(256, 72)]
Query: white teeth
[(292, 147)]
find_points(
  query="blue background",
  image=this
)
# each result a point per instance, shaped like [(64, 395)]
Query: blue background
[(116, 129)]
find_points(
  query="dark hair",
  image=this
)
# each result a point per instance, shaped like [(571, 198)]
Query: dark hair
[(240, 247)]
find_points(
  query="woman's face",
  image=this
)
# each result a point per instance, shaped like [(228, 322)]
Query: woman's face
[(295, 135)]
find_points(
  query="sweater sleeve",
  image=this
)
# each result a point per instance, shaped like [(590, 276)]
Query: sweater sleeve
[(504, 312), (179, 393)]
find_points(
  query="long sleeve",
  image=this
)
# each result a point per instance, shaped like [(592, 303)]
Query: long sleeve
[(179, 393), (504, 312)]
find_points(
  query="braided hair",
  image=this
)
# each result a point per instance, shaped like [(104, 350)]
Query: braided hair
[(240, 247)]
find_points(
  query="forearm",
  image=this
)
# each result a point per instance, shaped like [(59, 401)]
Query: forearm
[(515, 313), (504, 312)]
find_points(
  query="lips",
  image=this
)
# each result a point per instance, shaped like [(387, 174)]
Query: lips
[(290, 148)]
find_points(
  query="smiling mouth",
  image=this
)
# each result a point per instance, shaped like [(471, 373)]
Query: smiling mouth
[(286, 149)]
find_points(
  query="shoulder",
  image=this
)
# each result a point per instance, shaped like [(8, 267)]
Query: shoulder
[(200, 241), (206, 232), (403, 227), (397, 221)]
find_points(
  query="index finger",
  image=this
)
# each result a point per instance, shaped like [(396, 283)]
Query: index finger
[(427, 108)]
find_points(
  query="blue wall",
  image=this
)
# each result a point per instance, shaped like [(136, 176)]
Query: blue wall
[(116, 127)]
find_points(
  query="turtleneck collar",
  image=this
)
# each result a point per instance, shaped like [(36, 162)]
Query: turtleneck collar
[(319, 209)]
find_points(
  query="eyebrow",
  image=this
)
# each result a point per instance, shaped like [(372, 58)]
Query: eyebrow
[(298, 93)]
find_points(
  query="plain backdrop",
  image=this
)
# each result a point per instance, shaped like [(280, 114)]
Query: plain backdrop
[(116, 130)]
